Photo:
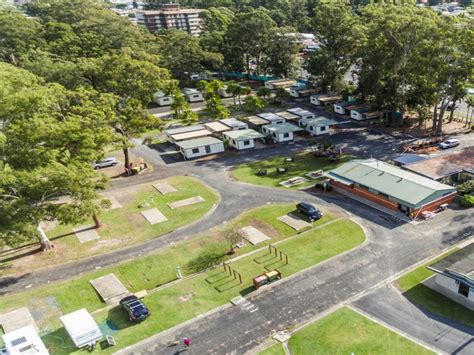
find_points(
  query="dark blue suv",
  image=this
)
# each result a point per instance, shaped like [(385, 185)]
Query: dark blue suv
[(309, 210), (136, 309)]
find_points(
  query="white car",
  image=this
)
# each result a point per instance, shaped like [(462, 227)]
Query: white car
[(449, 143), (105, 163)]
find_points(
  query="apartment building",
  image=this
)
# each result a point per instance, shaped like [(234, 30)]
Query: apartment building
[(171, 16)]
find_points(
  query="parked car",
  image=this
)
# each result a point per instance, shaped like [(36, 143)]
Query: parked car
[(105, 163), (449, 143), (309, 210), (136, 309)]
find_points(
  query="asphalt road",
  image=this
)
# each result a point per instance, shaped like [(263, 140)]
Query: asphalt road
[(388, 305), (389, 250)]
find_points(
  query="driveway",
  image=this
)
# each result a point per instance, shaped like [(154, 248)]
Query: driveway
[(389, 306)]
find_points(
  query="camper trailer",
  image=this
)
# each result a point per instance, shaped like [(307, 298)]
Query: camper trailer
[(192, 95), (161, 99)]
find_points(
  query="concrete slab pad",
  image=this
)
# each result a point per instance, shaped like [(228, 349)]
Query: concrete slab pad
[(297, 180), (253, 235), (186, 202), (154, 216), (17, 319), (164, 187), (86, 233), (110, 288), (294, 222), (114, 203)]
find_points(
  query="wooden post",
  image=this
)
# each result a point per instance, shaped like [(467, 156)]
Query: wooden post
[(234, 275), (276, 252), (225, 266), (240, 278), (286, 259), (269, 248), (281, 255)]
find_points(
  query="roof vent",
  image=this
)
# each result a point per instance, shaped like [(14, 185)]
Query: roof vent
[(401, 179)]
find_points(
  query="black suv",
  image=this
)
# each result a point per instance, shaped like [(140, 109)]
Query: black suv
[(309, 210), (136, 309)]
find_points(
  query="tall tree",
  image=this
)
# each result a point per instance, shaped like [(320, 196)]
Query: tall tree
[(180, 107), (133, 78), (341, 35), (50, 137), (247, 40)]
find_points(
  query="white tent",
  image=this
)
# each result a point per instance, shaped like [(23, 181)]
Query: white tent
[(81, 327), (24, 341)]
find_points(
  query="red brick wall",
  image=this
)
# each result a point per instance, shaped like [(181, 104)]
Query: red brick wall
[(385, 202), (433, 206)]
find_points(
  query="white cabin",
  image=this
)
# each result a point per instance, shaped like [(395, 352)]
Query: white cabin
[(161, 99), (317, 126), (280, 133), (242, 139), (200, 147), (81, 327), (324, 99), (357, 114), (302, 114), (192, 95), (279, 84)]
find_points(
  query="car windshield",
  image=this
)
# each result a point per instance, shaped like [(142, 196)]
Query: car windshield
[(311, 209)]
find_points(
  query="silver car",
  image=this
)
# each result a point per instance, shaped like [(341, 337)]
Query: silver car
[(105, 163), (449, 143)]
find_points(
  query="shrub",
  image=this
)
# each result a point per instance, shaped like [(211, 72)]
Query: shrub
[(466, 188), (467, 201)]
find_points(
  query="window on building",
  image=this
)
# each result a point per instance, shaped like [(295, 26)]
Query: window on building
[(286, 135), (195, 150), (323, 128), (246, 143), (208, 149)]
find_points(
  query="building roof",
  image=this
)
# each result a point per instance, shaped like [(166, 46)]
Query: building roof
[(18, 340), (320, 121), (243, 134), (403, 186), (270, 117), (179, 130), (460, 262), (329, 98), (445, 165), (190, 135), (299, 111), (233, 123), (361, 109), (198, 142), (216, 127), (256, 121), (288, 116), (190, 91), (406, 159), (283, 128)]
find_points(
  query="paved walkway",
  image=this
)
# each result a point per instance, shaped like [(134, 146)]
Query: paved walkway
[(389, 306)]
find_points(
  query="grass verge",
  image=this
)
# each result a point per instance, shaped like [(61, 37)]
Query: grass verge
[(302, 164), (345, 332), (413, 288)]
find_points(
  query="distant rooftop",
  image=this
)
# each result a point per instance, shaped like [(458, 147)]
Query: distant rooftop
[(269, 116), (185, 129), (233, 123), (198, 142), (320, 121), (243, 134), (406, 159), (283, 128), (445, 165)]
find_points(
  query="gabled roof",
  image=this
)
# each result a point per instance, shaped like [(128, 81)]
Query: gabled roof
[(299, 111), (243, 134), (283, 128), (401, 185), (319, 121), (198, 142)]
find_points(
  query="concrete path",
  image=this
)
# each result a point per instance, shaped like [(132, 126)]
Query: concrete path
[(389, 306)]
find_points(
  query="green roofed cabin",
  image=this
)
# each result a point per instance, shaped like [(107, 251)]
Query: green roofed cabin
[(281, 132), (390, 187), (243, 138), (455, 276), (199, 147)]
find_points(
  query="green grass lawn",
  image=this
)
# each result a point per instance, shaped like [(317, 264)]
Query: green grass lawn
[(155, 270), (185, 300), (303, 164), (125, 226), (347, 332), (276, 349), (412, 287)]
